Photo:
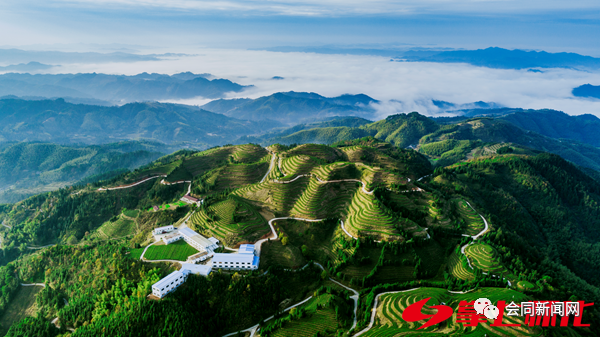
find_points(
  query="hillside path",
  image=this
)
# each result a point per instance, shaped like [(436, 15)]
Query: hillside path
[(270, 167), (5, 225), (145, 249), (130, 185), (475, 237), (41, 247), (33, 285)]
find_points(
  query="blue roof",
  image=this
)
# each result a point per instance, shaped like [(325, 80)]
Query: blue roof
[(255, 261), (246, 249)]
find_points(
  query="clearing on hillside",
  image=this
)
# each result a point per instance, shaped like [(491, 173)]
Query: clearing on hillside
[(178, 250)]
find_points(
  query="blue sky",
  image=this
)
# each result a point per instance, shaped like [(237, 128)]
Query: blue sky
[(544, 25)]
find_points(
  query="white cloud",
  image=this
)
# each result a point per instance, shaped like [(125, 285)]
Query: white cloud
[(412, 83)]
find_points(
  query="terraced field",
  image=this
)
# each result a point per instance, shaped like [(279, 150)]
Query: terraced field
[(316, 321), (205, 161), (485, 257), (319, 201), (237, 175), (474, 222), (280, 197), (492, 149), (234, 221), (250, 153), (322, 152), (365, 218), (120, 228), (389, 322), (178, 250), (458, 269), (369, 155), (299, 164)]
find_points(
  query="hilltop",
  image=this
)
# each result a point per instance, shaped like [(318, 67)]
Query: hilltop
[(294, 107)]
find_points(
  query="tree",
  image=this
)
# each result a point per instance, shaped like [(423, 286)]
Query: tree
[(324, 275), (72, 240), (304, 250), (284, 240)]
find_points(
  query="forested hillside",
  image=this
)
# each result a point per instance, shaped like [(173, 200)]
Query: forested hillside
[(349, 221), (60, 122), (31, 168), (450, 142)]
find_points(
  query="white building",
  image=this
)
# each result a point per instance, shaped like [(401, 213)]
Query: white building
[(197, 241), (244, 260), (169, 283), (164, 229), (197, 269)]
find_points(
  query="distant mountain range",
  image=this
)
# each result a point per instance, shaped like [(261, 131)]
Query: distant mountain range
[(587, 90), (117, 88), (61, 122), (294, 107), (492, 57), (59, 57), (507, 59), (23, 67)]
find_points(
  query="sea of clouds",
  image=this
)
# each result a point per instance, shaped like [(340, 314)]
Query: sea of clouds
[(400, 86)]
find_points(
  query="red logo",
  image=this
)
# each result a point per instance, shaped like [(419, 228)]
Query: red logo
[(413, 313)]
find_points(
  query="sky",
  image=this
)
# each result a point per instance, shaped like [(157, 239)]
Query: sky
[(219, 34), (552, 25)]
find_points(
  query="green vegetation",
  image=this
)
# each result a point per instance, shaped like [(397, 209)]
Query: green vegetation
[(32, 168), (324, 314), (231, 220), (22, 305), (542, 213), (178, 250)]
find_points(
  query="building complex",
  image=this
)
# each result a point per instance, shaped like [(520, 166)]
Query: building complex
[(245, 259), (194, 239)]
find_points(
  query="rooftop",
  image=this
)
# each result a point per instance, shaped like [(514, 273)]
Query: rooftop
[(168, 279), (246, 249), (170, 236), (224, 257), (164, 227), (191, 235), (190, 198), (196, 268)]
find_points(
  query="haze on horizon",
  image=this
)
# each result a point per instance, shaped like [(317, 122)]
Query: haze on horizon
[(218, 34)]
